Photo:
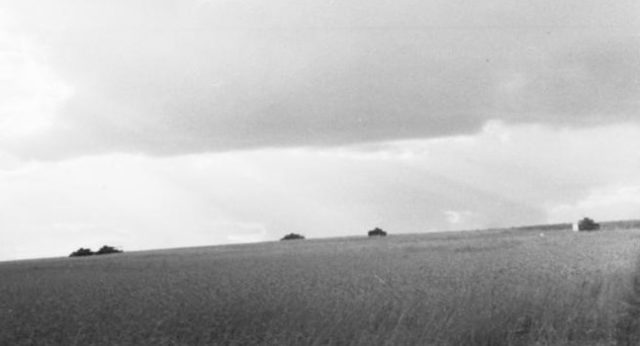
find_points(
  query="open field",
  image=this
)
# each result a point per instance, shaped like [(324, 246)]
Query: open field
[(463, 288)]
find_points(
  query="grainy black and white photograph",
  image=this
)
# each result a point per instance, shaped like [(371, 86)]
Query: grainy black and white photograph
[(320, 172)]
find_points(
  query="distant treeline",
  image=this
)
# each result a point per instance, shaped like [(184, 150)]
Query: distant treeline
[(627, 224), (604, 225), (549, 227)]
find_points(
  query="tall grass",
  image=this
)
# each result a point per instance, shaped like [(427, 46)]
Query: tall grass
[(466, 289), (584, 314), (628, 326)]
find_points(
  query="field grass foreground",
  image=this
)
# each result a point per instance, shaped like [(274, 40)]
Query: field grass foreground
[(462, 288)]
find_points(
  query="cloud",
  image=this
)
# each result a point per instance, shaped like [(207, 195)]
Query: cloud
[(602, 203), (175, 123), (31, 90), (505, 175), (181, 77), (457, 217), (242, 232), (597, 82)]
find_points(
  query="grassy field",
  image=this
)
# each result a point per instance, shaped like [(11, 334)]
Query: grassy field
[(463, 288)]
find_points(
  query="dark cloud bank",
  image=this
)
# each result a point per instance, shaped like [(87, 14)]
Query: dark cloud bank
[(169, 78)]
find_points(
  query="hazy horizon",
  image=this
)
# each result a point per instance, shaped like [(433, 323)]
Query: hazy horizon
[(164, 124)]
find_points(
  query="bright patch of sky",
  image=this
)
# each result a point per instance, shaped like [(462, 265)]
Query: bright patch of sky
[(503, 176)]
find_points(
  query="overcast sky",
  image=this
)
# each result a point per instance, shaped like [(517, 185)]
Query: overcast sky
[(154, 124)]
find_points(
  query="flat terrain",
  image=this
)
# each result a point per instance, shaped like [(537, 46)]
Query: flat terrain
[(463, 288)]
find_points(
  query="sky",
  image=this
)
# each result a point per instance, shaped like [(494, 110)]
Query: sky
[(156, 124)]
